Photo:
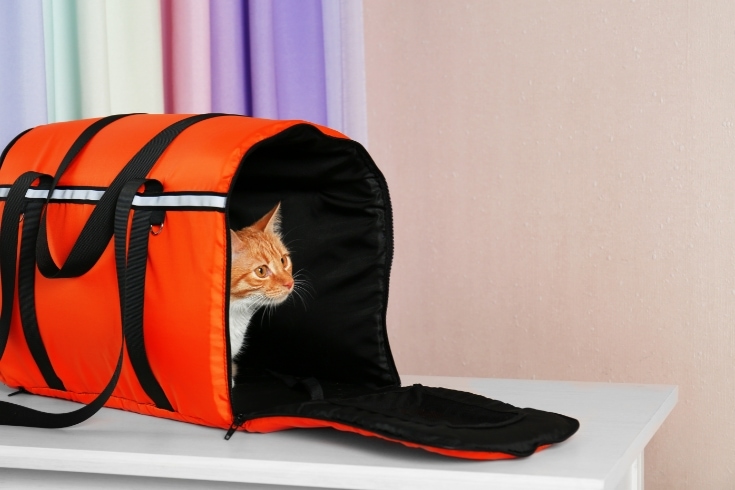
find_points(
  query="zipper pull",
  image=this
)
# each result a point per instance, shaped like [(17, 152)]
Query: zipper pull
[(20, 391), (239, 419)]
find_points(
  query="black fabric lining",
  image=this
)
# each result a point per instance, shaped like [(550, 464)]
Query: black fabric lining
[(436, 417), (336, 222), (310, 385), (437, 407), (268, 392)]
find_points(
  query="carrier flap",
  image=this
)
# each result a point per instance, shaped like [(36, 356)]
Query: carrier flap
[(439, 420)]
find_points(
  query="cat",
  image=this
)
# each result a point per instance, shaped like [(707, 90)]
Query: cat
[(261, 275)]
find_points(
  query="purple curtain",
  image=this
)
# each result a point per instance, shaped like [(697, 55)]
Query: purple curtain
[(230, 55), (23, 73), (268, 58), (299, 61)]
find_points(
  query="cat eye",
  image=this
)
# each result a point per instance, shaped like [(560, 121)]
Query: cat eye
[(285, 260), (261, 271)]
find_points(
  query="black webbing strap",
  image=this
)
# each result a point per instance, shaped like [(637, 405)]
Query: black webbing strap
[(11, 414), (98, 229), (9, 248), (27, 289), (132, 284)]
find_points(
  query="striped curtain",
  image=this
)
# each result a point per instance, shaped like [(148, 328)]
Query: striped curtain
[(282, 59)]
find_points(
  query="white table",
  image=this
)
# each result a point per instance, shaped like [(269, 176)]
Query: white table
[(117, 449)]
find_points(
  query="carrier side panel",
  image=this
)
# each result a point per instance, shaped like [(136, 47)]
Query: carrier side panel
[(185, 314)]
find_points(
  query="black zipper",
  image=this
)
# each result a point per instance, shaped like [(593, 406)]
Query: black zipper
[(239, 419)]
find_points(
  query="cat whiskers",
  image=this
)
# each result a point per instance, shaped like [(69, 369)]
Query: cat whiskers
[(302, 288)]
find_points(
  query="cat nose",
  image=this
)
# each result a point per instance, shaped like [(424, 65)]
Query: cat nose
[(288, 285)]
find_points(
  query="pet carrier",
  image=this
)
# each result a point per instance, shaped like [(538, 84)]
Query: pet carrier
[(114, 260)]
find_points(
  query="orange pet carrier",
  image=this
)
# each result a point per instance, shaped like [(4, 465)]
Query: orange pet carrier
[(114, 259)]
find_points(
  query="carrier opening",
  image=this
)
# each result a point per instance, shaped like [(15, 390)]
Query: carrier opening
[(336, 222)]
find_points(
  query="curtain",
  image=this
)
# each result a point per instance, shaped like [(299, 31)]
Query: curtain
[(22, 67), (102, 57), (282, 59)]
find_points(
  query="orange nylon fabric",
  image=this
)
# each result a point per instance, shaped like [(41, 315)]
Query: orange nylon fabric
[(79, 318), (274, 424)]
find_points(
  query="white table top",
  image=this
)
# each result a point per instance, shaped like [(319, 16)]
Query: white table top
[(617, 421)]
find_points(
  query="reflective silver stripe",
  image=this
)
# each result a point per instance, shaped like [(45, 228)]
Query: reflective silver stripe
[(182, 201), (67, 194), (82, 194), (168, 201)]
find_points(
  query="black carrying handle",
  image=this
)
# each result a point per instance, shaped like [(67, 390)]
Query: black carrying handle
[(12, 213), (132, 284), (99, 228), (27, 288)]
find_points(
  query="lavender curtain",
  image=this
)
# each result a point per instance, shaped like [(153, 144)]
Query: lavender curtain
[(230, 56), (291, 60), (287, 53), (22, 67)]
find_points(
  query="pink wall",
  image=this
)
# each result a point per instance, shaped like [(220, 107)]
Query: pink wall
[(563, 176)]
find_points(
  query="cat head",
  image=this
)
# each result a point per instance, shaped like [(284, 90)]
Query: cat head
[(261, 265)]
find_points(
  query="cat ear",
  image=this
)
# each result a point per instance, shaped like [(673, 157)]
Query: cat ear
[(271, 222)]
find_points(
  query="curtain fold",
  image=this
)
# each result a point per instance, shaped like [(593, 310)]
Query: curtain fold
[(23, 74), (280, 59), (230, 57), (354, 90), (299, 60), (262, 59), (102, 57), (331, 18), (63, 84), (345, 67), (91, 45), (135, 56), (188, 65)]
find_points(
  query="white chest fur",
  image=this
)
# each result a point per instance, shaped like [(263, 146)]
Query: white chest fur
[(241, 312)]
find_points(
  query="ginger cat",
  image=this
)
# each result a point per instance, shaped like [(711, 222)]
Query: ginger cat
[(261, 275)]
